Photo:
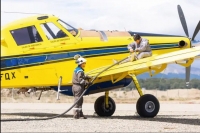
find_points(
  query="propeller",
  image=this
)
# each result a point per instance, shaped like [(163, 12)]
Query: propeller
[(184, 25), (187, 75), (196, 31), (182, 19)]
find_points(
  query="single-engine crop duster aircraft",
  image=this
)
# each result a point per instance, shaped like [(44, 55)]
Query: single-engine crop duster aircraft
[(37, 50)]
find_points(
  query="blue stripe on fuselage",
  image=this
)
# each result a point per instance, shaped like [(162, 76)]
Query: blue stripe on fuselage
[(38, 59)]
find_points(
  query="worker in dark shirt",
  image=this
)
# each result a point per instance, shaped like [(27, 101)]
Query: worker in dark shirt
[(80, 81)]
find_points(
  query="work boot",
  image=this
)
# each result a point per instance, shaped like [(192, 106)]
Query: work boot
[(82, 116), (76, 114), (115, 61)]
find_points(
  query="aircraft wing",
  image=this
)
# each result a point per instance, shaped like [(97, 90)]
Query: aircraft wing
[(154, 64)]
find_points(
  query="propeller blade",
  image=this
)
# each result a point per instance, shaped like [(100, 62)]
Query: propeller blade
[(196, 31), (187, 75), (182, 19)]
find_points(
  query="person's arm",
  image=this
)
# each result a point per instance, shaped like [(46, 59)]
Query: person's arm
[(81, 78), (131, 47)]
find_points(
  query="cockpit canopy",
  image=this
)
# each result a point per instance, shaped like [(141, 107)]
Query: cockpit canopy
[(30, 30)]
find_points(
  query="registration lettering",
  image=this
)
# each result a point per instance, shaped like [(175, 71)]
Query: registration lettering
[(8, 76)]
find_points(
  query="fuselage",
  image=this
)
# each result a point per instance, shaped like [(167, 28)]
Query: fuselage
[(29, 60)]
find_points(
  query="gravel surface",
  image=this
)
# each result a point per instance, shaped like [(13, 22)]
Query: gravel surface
[(171, 118)]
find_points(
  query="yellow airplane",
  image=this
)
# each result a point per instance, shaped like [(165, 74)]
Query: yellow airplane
[(38, 50)]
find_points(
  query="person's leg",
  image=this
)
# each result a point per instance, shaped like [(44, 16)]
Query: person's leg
[(127, 60), (75, 89), (144, 54), (80, 105)]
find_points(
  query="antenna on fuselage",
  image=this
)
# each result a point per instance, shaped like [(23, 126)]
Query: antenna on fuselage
[(21, 12)]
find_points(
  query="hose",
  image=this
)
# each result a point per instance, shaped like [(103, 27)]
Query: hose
[(4, 120)]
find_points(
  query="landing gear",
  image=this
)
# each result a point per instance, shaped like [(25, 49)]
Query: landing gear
[(147, 106), (104, 105)]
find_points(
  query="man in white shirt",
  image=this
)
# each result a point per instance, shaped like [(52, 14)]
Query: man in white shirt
[(140, 45)]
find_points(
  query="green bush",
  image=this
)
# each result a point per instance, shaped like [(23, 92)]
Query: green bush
[(165, 84)]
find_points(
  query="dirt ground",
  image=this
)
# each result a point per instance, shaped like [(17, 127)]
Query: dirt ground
[(175, 95), (179, 112), (172, 117)]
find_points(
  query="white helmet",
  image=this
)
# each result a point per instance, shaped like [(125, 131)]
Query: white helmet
[(80, 60)]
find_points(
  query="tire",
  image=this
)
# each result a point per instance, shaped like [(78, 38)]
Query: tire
[(99, 106), (148, 106), (137, 107)]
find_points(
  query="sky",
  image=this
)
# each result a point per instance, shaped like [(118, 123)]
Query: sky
[(151, 16)]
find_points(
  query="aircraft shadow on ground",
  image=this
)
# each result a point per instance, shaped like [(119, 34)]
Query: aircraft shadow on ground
[(164, 118), (158, 118)]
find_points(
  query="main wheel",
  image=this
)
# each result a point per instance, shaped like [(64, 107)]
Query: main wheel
[(100, 108), (147, 106)]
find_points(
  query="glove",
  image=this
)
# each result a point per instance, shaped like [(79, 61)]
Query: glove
[(131, 50), (88, 83), (136, 50), (88, 77)]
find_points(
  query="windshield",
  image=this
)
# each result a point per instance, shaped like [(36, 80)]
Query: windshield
[(68, 27)]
